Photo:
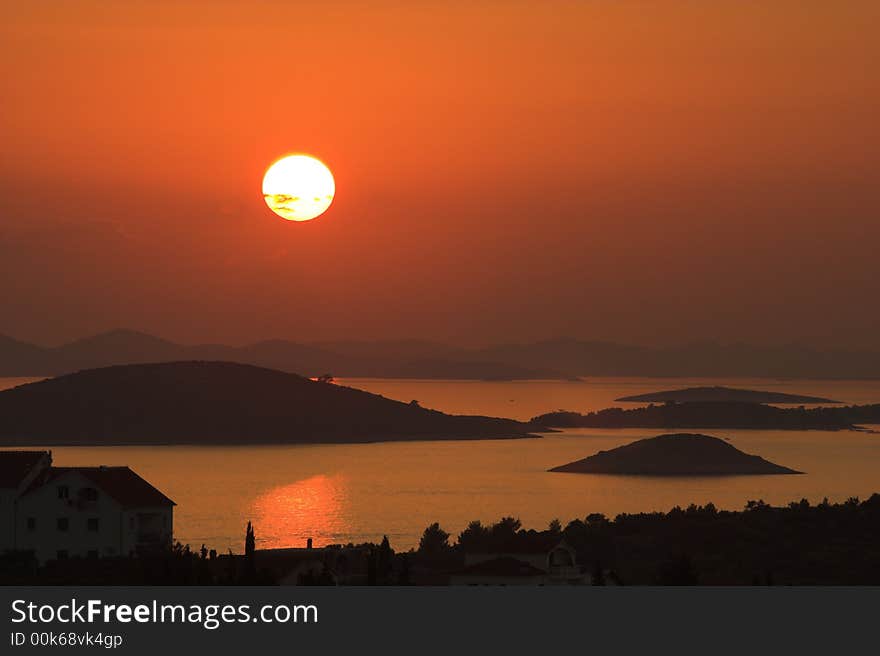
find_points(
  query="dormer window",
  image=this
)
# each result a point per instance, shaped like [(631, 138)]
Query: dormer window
[(89, 494), (63, 492)]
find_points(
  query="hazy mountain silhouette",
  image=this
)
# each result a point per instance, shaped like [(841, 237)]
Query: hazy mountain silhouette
[(721, 395), (573, 357), (218, 402), (22, 359), (558, 358), (354, 359), (677, 454)]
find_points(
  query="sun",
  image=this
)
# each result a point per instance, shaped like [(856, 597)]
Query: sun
[(298, 187)]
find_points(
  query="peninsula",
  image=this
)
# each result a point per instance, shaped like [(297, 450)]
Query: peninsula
[(219, 403), (717, 415)]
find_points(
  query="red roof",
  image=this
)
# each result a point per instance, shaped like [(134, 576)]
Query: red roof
[(119, 483), (503, 566), (15, 466)]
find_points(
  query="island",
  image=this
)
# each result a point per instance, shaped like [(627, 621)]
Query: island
[(723, 395), (220, 403), (675, 454), (717, 415)]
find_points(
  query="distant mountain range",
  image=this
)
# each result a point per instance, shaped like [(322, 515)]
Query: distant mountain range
[(220, 403), (558, 358)]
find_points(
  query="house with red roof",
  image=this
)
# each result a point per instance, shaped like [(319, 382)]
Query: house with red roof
[(87, 512)]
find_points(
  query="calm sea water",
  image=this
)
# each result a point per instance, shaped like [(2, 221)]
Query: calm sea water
[(341, 493)]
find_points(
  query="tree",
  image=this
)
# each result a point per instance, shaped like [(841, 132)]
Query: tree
[(475, 538), (250, 541), (596, 519), (384, 559), (503, 534), (250, 548), (555, 527), (372, 568), (434, 540), (404, 570)]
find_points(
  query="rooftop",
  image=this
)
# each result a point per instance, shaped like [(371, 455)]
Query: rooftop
[(502, 566), (120, 483), (15, 466)]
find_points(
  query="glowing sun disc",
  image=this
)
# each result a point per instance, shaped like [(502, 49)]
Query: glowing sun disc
[(298, 187)]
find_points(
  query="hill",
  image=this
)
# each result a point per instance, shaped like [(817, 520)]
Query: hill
[(721, 395), (219, 402), (678, 454)]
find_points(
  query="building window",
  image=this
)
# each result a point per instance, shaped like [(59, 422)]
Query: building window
[(89, 494), (131, 522), (93, 553), (62, 554), (31, 524), (63, 524), (63, 492), (93, 524)]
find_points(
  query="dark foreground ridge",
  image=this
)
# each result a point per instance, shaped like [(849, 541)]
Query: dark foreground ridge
[(677, 454), (799, 544), (717, 415), (721, 395), (216, 403)]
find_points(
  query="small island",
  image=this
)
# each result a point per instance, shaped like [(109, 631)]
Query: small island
[(723, 395), (220, 403), (676, 454)]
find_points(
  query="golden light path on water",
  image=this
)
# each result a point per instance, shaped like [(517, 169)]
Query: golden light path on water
[(314, 507)]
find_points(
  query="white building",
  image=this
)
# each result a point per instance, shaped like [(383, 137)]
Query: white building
[(88, 512)]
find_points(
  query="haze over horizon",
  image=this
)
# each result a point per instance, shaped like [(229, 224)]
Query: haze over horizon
[(627, 172), (452, 343)]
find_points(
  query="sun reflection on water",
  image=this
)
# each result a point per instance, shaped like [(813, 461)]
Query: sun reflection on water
[(314, 507)]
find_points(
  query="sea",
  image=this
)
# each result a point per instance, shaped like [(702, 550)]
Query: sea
[(336, 494)]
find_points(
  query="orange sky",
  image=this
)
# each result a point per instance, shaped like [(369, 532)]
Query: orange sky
[(639, 171)]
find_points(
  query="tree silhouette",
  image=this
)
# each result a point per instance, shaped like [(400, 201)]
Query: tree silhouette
[(250, 541), (250, 548), (503, 533), (475, 538), (384, 558), (434, 540)]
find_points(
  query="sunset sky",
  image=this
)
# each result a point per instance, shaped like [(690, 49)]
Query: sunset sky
[(650, 172)]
